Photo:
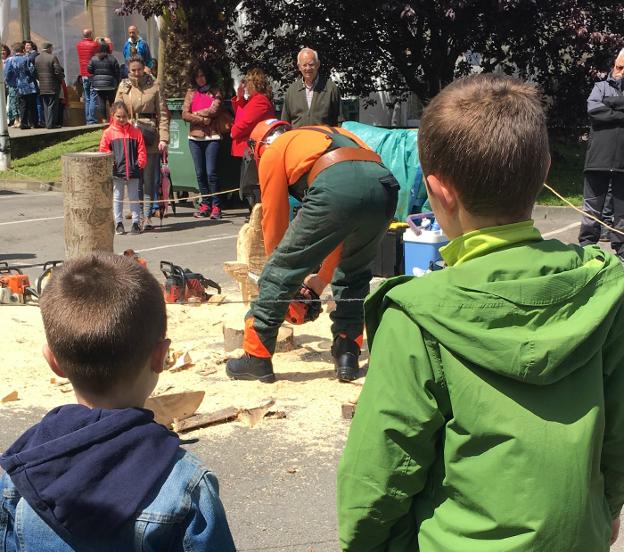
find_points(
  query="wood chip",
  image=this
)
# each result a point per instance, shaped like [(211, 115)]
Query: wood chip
[(218, 299), (175, 406), (276, 414), (292, 469), (203, 420), (253, 416), (12, 396), (348, 410), (183, 362)]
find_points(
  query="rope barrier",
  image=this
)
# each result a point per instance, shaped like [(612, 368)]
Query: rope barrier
[(557, 194)]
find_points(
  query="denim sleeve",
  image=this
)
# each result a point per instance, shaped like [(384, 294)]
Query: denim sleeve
[(207, 529)]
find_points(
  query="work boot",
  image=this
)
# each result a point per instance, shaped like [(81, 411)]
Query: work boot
[(346, 353), (249, 367)]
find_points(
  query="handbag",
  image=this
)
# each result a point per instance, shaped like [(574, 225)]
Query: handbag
[(222, 122), (149, 132), (249, 175)]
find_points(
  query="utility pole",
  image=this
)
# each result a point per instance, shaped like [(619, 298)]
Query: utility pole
[(5, 141)]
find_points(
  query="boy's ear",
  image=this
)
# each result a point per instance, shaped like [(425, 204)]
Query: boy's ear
[(442, 193), (52, 362), (159, 355)]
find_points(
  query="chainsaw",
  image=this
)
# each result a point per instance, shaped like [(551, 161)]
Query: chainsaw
[(183, 285), (14, 285)]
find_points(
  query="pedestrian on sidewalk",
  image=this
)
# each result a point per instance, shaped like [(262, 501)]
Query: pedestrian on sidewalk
[(50, 75), (20, 73), (203, 109), (11, 97), (105, 70), (136, 46), (101, 474), (492, 417), (129, 159), (87, 48)]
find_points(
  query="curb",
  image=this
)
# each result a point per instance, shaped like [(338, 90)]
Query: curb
[(26, 185)]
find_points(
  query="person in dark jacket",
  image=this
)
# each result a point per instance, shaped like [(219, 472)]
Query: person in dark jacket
[(129, 158), (105, 70), (51, 75), (604, 162), (313, 99)]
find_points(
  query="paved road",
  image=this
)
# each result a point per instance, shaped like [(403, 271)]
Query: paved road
[(31, 233), (269, 508)]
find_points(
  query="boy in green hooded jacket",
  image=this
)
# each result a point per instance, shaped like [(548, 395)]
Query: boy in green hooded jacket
[(492, 417)]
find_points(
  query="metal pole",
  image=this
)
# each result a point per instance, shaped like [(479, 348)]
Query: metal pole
[(5, 142), (63, 38)]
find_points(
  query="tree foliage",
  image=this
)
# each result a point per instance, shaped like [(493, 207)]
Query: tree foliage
[(195, 31), (419, 46), (401, 46)]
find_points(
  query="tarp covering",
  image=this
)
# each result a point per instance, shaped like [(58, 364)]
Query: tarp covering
[(398, 149)]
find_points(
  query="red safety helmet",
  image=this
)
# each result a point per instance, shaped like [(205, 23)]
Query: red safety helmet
[(265, 134)]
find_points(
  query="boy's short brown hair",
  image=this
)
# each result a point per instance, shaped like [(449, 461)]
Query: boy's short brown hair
[(486, 135), (103, 316)]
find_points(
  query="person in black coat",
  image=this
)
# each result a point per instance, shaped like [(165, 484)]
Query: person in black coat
[(50, 75), (105, 70), (604, 161)]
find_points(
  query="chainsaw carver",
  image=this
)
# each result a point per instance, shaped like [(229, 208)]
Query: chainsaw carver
[(348, 198)]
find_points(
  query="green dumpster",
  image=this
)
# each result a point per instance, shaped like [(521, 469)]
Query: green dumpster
[(181, 163)]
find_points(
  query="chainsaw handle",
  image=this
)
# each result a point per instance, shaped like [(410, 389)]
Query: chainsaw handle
[(169, 269), (6, 269), (207, 282)]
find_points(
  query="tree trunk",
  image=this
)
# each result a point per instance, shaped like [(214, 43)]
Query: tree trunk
[(88, 203), (24, 19)]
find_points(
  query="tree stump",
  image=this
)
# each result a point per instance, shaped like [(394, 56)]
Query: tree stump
[(88, 203)]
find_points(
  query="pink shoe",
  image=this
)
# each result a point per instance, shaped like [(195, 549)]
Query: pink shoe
[(215, 214), (202, 211)]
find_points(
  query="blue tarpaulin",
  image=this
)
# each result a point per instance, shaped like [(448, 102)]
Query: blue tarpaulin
[(398, 149)]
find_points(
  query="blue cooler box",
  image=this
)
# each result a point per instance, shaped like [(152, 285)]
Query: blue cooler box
[(422, 250)]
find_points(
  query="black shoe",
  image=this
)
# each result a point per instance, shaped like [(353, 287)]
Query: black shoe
[(346, 353), (135, 229), (119, 229), (249, 367)]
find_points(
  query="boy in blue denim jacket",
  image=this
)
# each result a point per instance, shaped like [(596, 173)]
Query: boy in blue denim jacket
[(101, 474)]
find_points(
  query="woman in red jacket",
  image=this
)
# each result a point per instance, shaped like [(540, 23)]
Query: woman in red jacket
[(248, 113)]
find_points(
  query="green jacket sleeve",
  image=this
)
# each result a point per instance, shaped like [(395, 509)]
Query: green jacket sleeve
[(613, 444), (392, 442)]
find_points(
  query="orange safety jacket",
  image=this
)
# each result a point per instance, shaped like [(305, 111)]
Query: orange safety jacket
[(283, 163)]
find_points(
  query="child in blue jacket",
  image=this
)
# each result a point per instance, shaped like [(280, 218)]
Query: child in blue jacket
[(102, 475)]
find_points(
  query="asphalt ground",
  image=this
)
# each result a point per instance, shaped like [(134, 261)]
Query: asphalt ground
[(270, 505)]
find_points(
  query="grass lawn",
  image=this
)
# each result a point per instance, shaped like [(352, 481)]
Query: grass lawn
[(566, 172), (45, 165)]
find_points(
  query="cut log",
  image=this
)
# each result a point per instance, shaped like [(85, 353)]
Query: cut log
[(88, 203), (203, 420), (177, 406)]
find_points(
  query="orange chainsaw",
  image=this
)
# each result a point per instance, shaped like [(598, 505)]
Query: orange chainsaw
[(183, 285), (14, 285)]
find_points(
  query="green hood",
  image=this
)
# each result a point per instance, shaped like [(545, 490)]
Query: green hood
[(529, 318)]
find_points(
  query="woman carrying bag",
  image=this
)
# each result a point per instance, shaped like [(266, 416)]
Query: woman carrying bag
[(148, 112)]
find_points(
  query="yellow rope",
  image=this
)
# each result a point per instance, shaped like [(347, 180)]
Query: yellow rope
[(556, 193)]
